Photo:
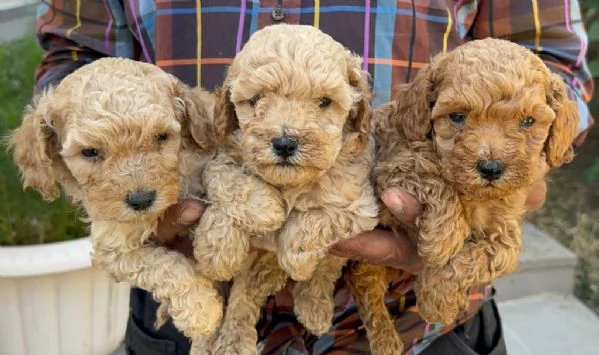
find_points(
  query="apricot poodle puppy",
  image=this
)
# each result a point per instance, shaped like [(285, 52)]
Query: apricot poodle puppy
[(125, 140), (469, 137), (292, 177)]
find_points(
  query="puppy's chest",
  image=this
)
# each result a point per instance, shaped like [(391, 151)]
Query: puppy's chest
[(329, 191), (493, 216)]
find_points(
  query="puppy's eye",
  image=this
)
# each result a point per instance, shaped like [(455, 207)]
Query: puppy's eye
[(161, 137), (527, 122), (324, 102), (457, 117), (90, 153), (254, 100)]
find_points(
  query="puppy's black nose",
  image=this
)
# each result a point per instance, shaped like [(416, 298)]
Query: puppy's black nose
[(140, 200), (284, 146), (490, 169)]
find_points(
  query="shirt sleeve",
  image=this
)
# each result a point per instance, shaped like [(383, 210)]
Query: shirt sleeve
[(555, 31), (74, 33)]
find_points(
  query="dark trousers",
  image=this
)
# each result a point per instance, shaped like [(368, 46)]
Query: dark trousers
[(482, 334)]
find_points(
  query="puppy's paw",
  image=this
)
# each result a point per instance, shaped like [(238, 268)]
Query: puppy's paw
[(220, 247), (300, 266)]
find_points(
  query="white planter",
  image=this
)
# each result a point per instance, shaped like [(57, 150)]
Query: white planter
[(53, 303)]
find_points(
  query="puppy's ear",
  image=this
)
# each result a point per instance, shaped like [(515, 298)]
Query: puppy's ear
[(361, 113), (415, 102), (225, 118), (558, 146), (194, 109), (35, 145)]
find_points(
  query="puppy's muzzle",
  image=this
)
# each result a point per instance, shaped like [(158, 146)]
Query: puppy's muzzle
[(140, 200), (284, 146), (490, 169)]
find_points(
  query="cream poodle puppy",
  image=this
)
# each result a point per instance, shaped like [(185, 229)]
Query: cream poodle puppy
[(292, 177), (125, 140)]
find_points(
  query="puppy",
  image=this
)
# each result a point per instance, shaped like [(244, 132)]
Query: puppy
[(126, 140), (292, 177), (468, 138)]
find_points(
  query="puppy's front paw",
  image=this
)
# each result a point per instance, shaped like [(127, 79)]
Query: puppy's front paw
[(220, 247), (300, 266)]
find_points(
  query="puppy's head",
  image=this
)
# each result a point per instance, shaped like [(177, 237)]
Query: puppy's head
[(110, 134), (496, 115), (296, 99)]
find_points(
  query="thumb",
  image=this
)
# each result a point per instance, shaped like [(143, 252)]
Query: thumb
[(402, 205), (178, 218)]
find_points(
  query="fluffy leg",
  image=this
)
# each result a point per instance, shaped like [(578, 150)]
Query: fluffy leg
[(263, 277), (193, 301), (442, 228), (442, 292), (308, 235), (368, 284), (242, 206), (313, 299)]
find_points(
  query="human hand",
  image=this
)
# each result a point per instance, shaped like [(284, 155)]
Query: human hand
[(538, 192), (383, 247), (173, 226)]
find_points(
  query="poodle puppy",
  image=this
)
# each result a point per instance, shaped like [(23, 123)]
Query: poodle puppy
[(126, 140), (292, 176), (469, 137)]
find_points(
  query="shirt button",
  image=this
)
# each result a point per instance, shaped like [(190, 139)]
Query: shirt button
[(277, 13)]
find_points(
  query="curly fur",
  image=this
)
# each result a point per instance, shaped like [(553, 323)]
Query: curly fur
[(470, 231), (294, 209), (150, 132)]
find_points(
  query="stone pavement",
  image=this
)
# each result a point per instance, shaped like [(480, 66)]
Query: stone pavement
[(549, 324)]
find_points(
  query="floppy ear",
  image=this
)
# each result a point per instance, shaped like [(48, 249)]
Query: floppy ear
[(361, 112), (225, 118), (415, 102), (35, 146), (558, 147), (195, 111)]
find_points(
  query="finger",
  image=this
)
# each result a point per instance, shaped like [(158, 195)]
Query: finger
[(536, 197), (183, 245), (403, 206), (381, 247), (178, 218)]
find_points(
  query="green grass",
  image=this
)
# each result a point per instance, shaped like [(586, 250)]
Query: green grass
[(24, 217)]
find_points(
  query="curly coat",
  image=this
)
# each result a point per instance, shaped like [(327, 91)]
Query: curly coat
[(486, 100), (296, 82), (112, 128)]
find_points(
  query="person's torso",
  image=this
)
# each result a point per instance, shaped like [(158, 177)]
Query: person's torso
[(395, 38)]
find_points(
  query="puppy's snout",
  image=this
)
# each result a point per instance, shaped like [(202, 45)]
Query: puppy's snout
[(140, 200), (490, 169), (284, 146)]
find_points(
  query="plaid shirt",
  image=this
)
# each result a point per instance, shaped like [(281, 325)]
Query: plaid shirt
[(196, 40)]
